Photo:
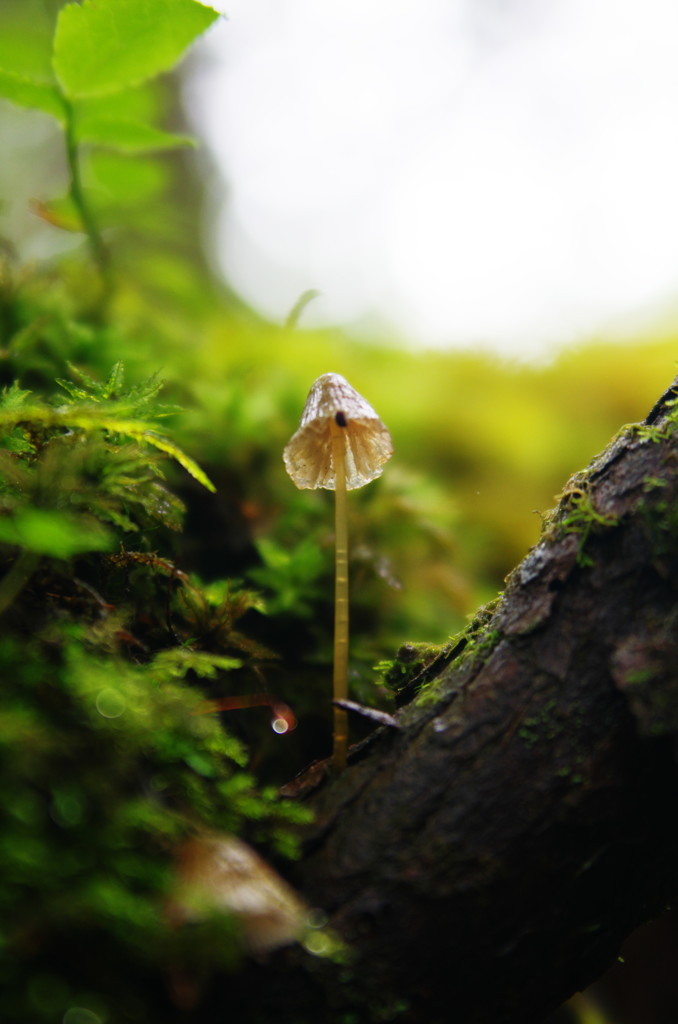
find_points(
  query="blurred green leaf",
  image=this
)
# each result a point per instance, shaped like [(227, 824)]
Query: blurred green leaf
[(291, 574), (13, 397), (109, 45), (26, 33), (127, 135), (35, 95), (141, 103), (122, 182), (54, 533), (178, 661)]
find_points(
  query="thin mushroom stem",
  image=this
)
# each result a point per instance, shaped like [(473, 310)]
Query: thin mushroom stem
[(340, 676)]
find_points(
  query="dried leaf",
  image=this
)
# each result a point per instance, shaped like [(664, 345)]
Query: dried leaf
[(217, 872)]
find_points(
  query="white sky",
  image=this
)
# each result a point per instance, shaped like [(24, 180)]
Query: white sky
[(502, 172)]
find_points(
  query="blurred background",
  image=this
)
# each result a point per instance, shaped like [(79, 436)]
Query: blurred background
[(497, 174), (478, 199), (481, 198)]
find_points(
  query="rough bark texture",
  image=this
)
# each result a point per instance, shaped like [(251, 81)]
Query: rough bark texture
[(487, 859)]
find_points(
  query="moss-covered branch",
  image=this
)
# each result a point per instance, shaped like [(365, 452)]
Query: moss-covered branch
[(486, 859)]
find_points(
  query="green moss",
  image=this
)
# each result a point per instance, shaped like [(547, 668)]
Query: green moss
[(97, 801), (481, 644), (640, 676), (577, 512), (660, 521), (105, 760), (581, 517), (472, 646), (543, 727), (652, 483), (652, 432), (662, 431), (410, 661)]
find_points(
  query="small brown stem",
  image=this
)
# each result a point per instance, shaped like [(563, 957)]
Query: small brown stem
[(281, 712)]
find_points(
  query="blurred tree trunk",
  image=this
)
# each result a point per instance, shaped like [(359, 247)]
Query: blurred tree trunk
[(486, 859)]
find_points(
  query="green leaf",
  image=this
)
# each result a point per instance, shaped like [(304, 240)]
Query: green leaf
[(104, 46), (92, 390), (17, 443), (99, 417), (177, 662), (124, 182), (165, 445), (115, 381), (142, 103), (138, 399), (127, 135), (35, 95), (54, 533), (26, 36), (76, 393)]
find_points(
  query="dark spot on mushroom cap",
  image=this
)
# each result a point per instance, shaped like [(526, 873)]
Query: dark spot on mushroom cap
[(340, 419)]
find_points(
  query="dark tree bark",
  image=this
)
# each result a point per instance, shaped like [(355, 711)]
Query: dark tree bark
[(487, 859)]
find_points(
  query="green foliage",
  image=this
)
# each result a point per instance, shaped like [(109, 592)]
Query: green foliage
[(91, 72), (104, 769), (82, 472), (409, 664), (54, 533), (36, 95), (68, 465), (109, 757), (100, 50), (291, 575)]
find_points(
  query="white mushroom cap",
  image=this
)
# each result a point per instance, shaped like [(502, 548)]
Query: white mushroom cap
[(308, 455)]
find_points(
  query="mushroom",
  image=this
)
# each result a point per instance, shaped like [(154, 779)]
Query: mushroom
[(341, 444)]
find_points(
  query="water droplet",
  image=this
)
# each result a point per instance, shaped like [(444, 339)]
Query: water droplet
[(110, 703), (318, 943), (317, 918)]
